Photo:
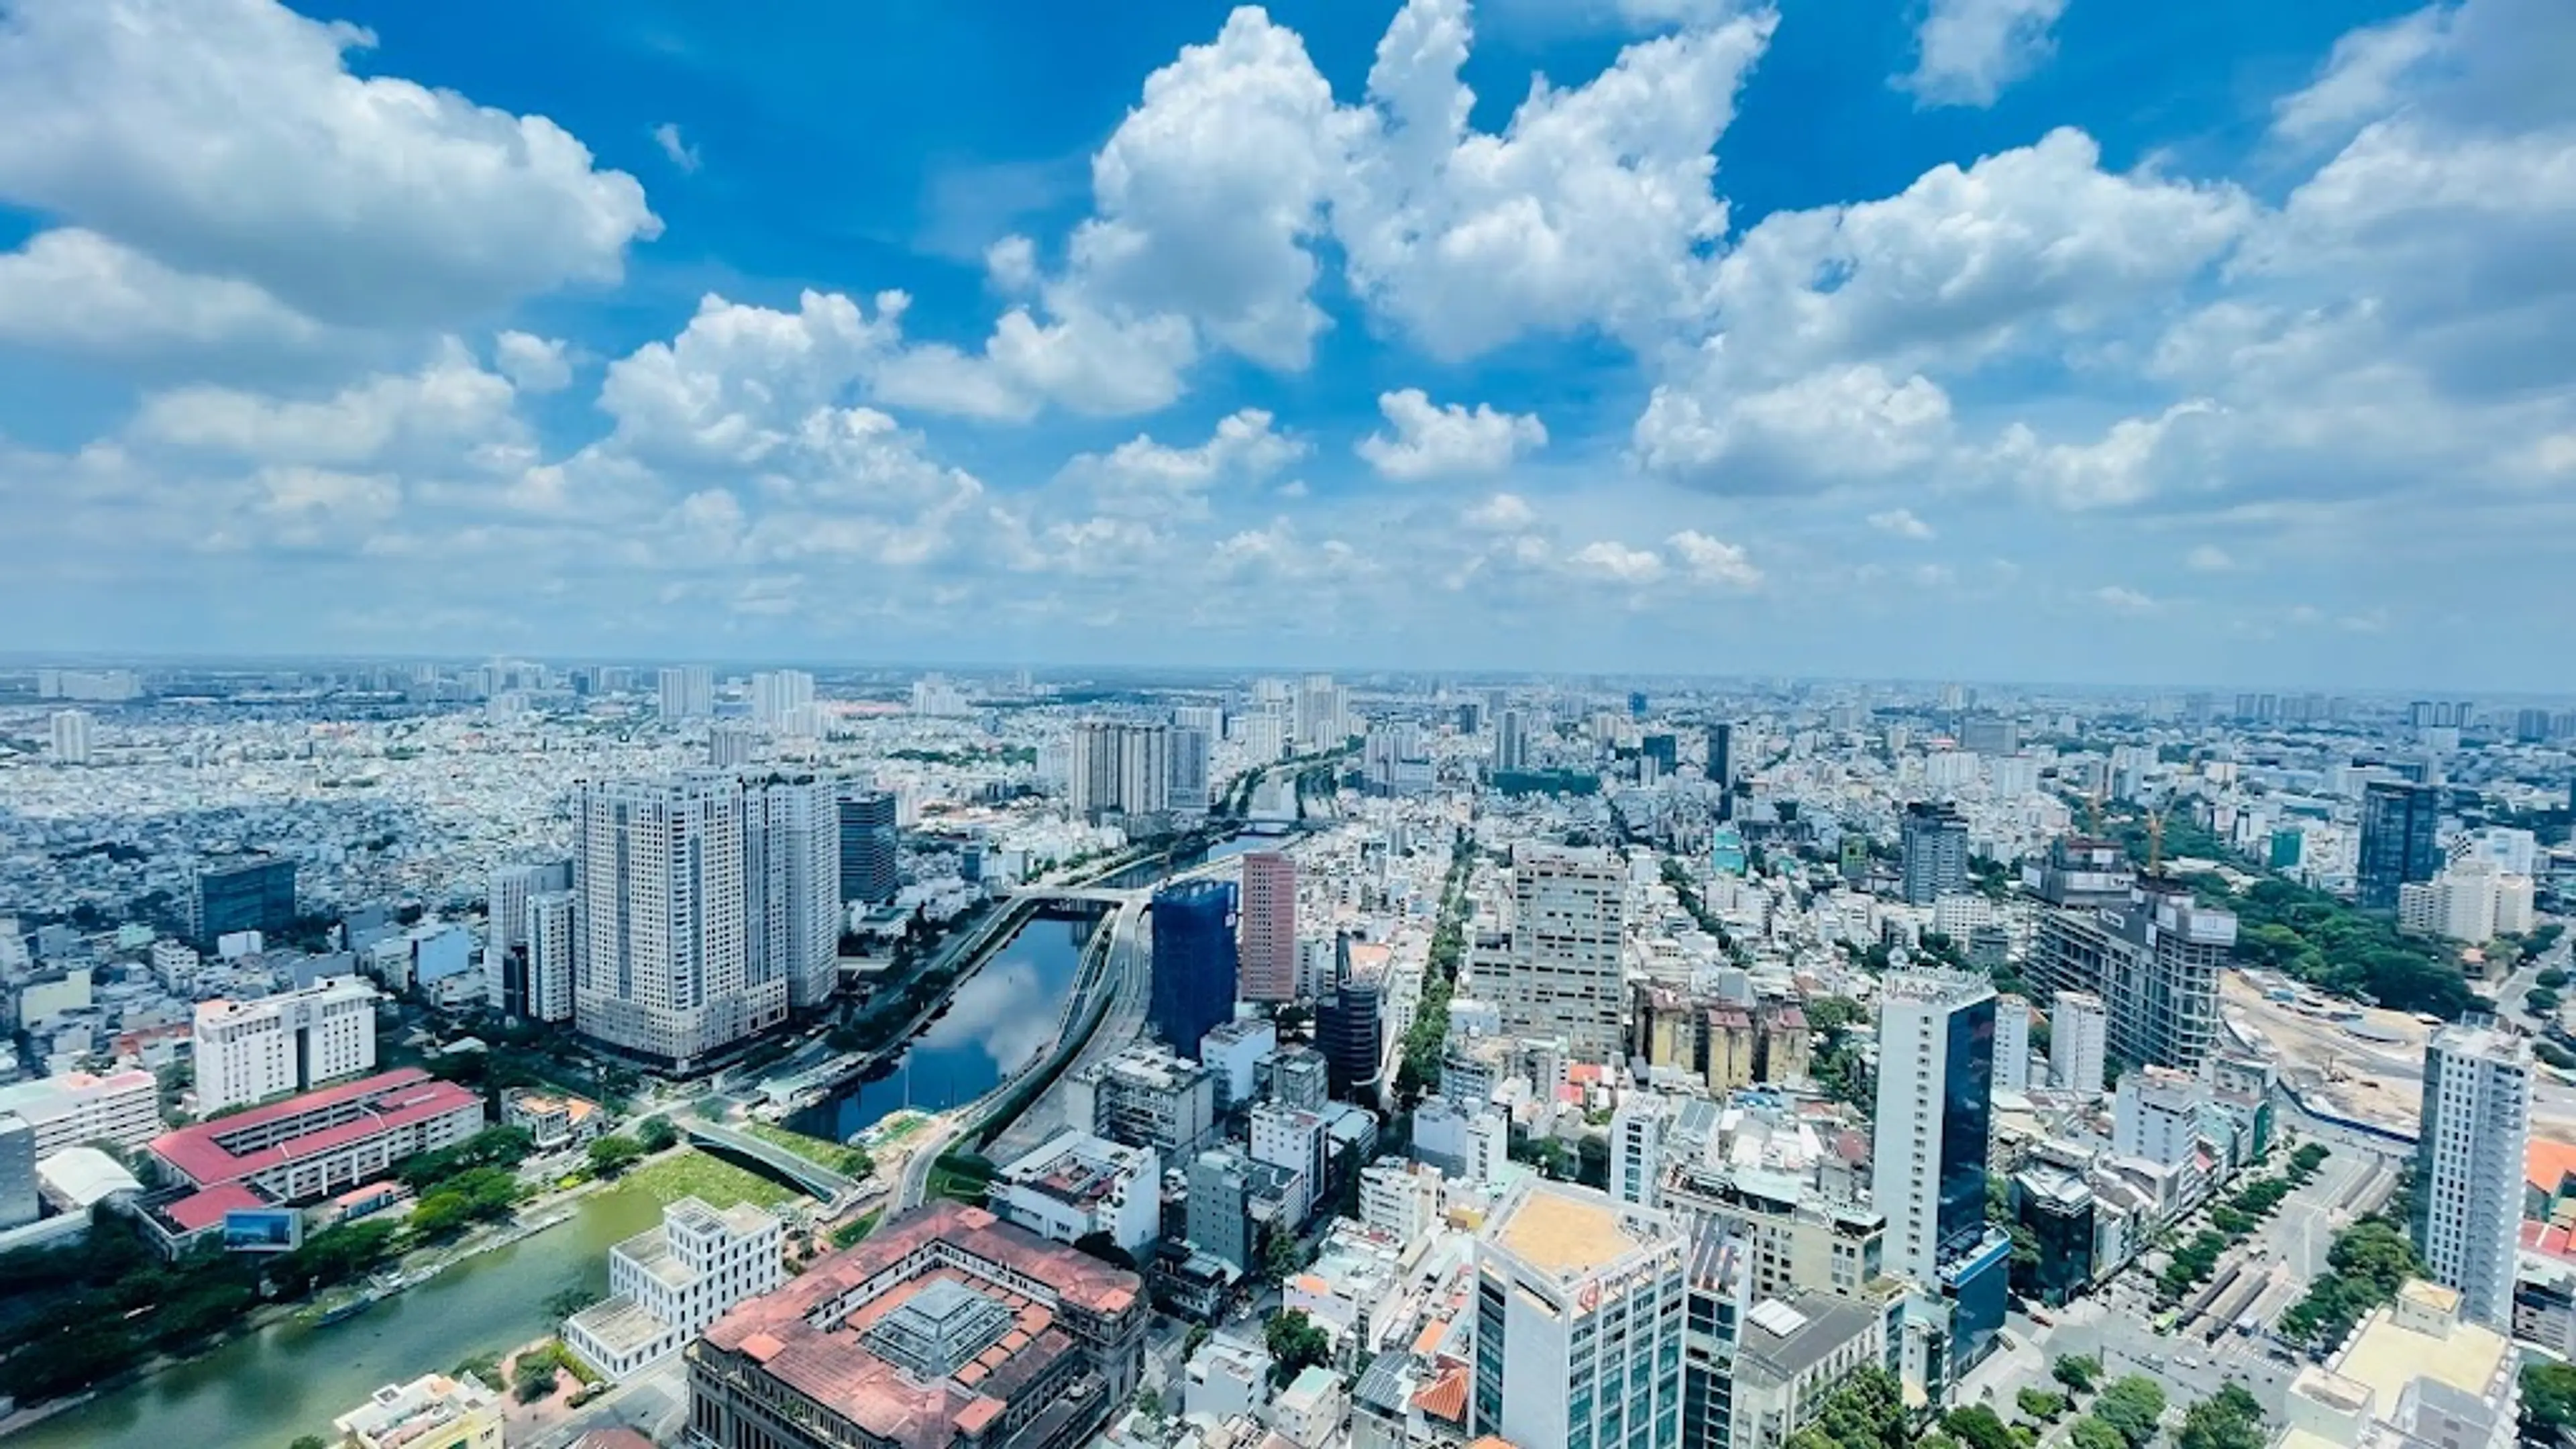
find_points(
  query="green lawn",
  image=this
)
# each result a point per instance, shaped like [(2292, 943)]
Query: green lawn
[(897, 1126), (712, 1180), (813, 1149)]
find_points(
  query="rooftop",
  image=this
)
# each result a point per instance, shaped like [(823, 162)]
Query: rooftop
[(386, 1101), (940, 1277), (621, 1324), (1791, 1337), (399, 1414), (2392, 1347), (1568, 1231)]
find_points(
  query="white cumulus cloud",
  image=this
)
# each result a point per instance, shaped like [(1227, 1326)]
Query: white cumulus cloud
[(229, 138), (1444, 441), (1967, 51)]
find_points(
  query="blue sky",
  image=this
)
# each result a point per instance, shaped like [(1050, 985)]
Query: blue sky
[(1998, 339)]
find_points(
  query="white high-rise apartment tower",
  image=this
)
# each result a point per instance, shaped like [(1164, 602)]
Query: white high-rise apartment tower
[(687, 692), (1192, 750), (778, 695), (1936, 1042), (2476, 1126), (1561, 976), (71, 737), (2012, 1044), (1323, 714), (1637, 1132), (553, 942), (663, 968), (247, 1050), (2079, 1033), (1580, 1301), (792, 885), (1119, 768)]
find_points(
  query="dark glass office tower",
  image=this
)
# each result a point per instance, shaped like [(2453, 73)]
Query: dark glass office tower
[(867, 846), (244, 893), (1194, 962), (2397, 846)]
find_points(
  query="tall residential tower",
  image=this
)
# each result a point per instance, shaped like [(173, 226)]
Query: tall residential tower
[(2476, 1126)]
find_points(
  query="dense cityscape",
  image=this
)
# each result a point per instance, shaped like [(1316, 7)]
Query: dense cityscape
[(544, 1055), (1287, 724)]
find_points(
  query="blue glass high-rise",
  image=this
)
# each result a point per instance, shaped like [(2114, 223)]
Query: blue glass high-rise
[(1194, 962)]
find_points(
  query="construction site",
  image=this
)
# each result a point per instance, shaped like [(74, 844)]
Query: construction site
[(2364, 1063)]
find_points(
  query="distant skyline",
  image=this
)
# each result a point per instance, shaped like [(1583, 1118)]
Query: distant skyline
[(2203, 344), (1188, 676)]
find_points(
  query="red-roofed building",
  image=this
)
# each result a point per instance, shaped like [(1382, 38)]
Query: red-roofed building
[(320, 1143), (947, 1329)]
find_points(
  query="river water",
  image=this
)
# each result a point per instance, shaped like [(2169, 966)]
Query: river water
[(1005, 1014), (1000, 1017), (260, 1392)]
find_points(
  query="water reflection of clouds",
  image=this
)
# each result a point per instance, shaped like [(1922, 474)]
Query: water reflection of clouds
[(1003, 1009)]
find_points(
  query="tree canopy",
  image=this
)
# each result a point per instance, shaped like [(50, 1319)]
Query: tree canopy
[(2228, 1419), (1295, 1342), (2131, 1406)]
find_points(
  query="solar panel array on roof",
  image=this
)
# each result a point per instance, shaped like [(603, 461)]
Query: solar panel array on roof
[(1777, 1318)]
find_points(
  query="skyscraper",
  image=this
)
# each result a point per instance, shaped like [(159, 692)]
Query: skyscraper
[(2398, 821), (252, 892), (1267, 949), (1936, 1046), (868, 846), (663, 968), (2079, 1035), (71, 737), (511, 887), (505, 934), (2476, 1127), (791, 886), (731, 745), (777, 696), (2154, 962), (1120, 769), (1350, 1030), (1934, 848), (1323, 714), (687, 692), (1511, 741), (1194, 961), (1187, 790), (1578, 1335), (552, 943), (1562, 974)]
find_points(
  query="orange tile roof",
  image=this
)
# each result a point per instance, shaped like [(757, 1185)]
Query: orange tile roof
[(2547, 1165), (1444, 1397)]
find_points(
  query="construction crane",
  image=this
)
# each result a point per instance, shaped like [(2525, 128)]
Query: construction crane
[(2156, 841)]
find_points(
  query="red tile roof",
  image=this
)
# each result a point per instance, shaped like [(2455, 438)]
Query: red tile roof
[(393, 1100), (799, 1336), (1444, 1397), (2547, 1165), (205, 1209)]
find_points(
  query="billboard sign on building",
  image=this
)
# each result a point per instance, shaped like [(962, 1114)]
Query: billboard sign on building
[(263, 1230)]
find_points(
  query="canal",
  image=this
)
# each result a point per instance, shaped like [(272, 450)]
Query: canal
[(1002, 1016), (999, 1017), (291, 1378)]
